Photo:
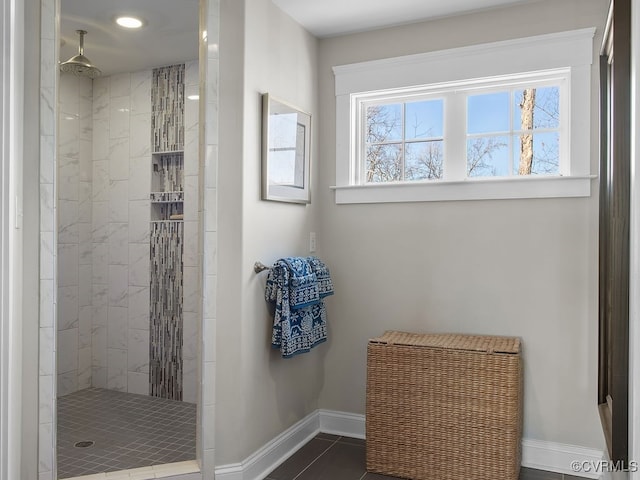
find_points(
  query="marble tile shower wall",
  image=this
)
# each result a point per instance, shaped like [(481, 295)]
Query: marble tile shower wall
[(49, 12), (120, 233), (104, 182), (190, 261), (210, 56), (74, 234)]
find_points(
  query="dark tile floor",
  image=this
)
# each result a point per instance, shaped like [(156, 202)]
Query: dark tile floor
[(328, 457), (128, 431)]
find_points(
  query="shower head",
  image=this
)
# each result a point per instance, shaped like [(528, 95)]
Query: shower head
[(80, 65)]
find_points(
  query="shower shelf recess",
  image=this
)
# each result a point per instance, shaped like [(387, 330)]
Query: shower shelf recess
[(167, 197), (167, 186)]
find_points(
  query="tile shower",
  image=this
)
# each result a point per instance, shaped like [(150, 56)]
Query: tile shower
[(49, 128), (127, 224)]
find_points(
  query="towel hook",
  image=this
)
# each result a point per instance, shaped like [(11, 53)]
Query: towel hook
[(260, 267)]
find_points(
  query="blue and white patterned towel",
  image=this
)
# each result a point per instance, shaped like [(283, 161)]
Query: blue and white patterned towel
[(300, 319), (303, 283), (325, 285)]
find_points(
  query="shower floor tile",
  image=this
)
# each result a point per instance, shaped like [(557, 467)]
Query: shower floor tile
[(127, 431)]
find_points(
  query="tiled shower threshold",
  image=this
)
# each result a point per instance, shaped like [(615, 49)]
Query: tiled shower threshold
[(183, 470)]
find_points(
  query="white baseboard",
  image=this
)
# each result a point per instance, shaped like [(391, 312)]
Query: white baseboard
[(558, 457), (550, 456), (342, 423), (258, 465)]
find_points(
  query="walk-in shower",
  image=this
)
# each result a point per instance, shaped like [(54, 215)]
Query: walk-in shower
[(127, 329)]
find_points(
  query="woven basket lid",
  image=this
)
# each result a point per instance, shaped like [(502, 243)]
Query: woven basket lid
[(452, 341)]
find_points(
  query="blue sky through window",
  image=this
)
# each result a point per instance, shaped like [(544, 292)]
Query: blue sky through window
[(424, 119), (488, 113)]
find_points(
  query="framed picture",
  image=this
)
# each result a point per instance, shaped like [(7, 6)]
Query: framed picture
[(286, 151)]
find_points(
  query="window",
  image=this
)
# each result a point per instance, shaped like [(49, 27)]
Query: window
[(507, 130), (514, 132), (503, 120), (403, 141)]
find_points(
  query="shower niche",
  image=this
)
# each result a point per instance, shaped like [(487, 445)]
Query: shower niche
[(167, 186)]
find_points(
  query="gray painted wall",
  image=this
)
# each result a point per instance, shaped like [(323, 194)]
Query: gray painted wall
[(259, 394), (507, 267), (440, 267)]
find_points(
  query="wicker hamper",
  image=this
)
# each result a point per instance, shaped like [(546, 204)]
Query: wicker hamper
[(444, 407)]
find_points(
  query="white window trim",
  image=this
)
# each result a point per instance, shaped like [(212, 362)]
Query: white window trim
[(572, 50)]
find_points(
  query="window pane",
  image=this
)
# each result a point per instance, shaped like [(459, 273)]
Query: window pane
[(488, 157), (488, 113), (384, 163), (543, 157), (384, 123), (545, 111), (423, 160), (423, 119)]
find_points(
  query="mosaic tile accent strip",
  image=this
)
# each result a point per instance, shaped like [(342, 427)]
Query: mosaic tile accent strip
[(167, 101), (128, 431), (165, 366)]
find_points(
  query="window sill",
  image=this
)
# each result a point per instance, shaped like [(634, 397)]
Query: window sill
[(476, 189)]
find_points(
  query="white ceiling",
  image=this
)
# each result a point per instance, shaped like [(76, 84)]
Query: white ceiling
[(326, 18), (170, 34)]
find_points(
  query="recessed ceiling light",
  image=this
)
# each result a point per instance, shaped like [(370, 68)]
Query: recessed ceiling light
[(129, 22), (194, 97)]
